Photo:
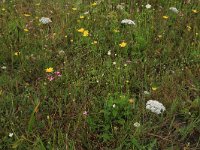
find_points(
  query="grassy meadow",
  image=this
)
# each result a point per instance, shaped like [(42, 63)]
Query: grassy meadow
[(80, 79)]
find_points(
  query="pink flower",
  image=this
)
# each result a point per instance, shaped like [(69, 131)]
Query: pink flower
[(85, 113), (58, 73), (50, 78)]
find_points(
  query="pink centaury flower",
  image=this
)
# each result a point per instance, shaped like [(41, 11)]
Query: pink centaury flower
[(58, 73), (85, 113), (50, 78)]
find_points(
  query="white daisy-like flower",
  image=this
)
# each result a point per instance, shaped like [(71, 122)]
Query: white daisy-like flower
[(146, 92), (109, 53), (45, 20), (10, 135), (174, 9), (128, 21), (136, 124), (148, 6), (155, 106)]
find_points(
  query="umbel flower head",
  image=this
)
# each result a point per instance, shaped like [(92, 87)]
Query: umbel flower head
[(174, 9), (45, 20), (128, 21), (155, 106)]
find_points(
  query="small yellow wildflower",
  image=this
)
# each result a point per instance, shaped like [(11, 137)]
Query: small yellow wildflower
[(81, 30), (38, 4), (189, 28), (194, 11), (94, 42), (165, 17), (131, 101), (49, 70), (27, 15), (74, 8), (154, 88), (86, 33), (17, 53), (82, 17), (116, 31), (26, 30), (3, 9), (36, 17), (94, 4), (71, 40), (123, 44)]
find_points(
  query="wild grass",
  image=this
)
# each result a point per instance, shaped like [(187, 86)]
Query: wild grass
[(101, 95)]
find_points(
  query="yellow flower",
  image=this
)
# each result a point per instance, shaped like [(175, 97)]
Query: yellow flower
[(165, 17), (189, 28), (26, 30), (74, 8), (81, 30), (194, 11), (27, 15), (131, 101), (116, 31), (82, 17), (38, 4), (86, 33), (123, 44), (17, 53), (94, 4), (49, 70), (154, 88), (94, 42), (3, 9)]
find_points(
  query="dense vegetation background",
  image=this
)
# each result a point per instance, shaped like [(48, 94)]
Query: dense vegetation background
[(82, 80)]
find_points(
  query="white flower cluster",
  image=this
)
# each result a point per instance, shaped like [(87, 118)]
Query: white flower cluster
[(45, 20), (148, 6), (120, 6), (155, 106), (128, 21), (174, 9)]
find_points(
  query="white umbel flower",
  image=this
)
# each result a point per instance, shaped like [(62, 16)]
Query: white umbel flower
[(128, 21), (155, 106), (121, 7), (136, 124), (45, 20), (148, 6), (174, 9), (146, 93), (3, 67)]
